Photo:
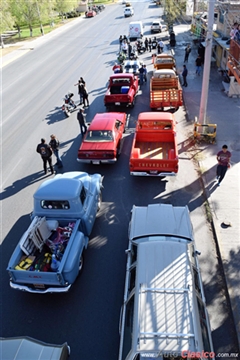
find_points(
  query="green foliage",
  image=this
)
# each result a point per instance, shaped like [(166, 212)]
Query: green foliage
[(174, 9), (6, 18)]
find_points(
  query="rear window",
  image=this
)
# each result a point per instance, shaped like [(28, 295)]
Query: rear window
[(55, 205), (98, 135), (156, 24)]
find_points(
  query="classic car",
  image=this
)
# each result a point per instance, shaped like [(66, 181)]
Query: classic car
[(101, 143), (132, 66), (90, 13)]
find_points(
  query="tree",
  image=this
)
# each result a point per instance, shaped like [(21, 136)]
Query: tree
[(6, 19), (64, 6), (174, 9)]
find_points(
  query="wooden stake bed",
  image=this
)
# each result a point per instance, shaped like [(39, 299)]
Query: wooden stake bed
[(154, 150)]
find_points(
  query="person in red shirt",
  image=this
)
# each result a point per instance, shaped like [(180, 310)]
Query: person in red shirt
[(223, 158)]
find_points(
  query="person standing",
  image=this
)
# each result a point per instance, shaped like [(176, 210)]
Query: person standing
[(81, 83), (187, 53), (146, 43), (46, 154), (198, 65), (82, 123), (145, 73), (54, 144), (161, 45), (141, 74), (184, 75), (223, 158), (150, 44), (129, 50), (85, 96)]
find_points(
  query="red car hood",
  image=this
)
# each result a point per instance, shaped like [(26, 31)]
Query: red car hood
[(97, 146)]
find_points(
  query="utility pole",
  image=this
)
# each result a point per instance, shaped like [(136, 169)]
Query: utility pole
[(207, 64)]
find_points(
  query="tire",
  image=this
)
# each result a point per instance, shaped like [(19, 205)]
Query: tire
[(99, 201), (118, 149), (81, 263)]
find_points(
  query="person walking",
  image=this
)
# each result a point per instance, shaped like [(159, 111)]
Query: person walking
[(82, 123), (54, 144), (46, 154), (223, 158), (198, 63), (85, 96), (184, 75), (187, 53)]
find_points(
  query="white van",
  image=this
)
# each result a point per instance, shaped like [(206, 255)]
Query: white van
[(164, 313), (135, 30)]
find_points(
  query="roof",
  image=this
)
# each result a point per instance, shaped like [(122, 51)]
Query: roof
[(160, 219), (165, 72), (144, 116), (165, 302), (62, 186), (24, 347), (121, 76), (106, 121)]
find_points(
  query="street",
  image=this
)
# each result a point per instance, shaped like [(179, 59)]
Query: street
[(33, 87)]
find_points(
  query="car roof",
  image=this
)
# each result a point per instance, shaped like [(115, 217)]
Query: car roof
[(155, 116), (106, 121), (132, 62), (156, 22)]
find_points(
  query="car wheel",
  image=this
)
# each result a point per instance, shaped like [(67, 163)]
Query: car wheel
[(99, 203), (80, 265), (118, 149)]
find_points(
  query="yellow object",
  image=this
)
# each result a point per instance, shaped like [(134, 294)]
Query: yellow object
[(205, 131)]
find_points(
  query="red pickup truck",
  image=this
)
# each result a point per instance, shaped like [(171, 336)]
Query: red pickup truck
[(122, 90), (165, 90), (154, 150)]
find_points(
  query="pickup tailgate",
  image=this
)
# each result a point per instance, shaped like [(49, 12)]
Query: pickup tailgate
[(153, 158), (165, 98)]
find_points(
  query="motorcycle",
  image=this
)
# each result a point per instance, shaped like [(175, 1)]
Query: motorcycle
[(68, 106), (121, 57), (133, 55), (140, 47)]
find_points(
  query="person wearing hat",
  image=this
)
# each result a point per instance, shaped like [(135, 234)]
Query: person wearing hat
[(46, 154), (81, 119), (54, 144)]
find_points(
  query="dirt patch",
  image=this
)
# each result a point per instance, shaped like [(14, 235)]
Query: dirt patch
[(8, 50)]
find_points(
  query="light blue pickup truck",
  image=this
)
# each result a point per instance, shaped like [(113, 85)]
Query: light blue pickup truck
[(49, 255)]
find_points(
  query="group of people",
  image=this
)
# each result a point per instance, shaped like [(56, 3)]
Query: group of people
[(46, 151), (235, 32), (198, 62)]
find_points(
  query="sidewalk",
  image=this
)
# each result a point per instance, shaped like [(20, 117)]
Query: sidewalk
[(224, 201)]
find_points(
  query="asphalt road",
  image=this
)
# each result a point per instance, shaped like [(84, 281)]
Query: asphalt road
[(33, 87)]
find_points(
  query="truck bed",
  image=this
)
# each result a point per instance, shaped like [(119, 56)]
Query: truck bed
[(154, 150)]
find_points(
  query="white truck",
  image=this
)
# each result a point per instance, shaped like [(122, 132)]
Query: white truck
[(164, 312)]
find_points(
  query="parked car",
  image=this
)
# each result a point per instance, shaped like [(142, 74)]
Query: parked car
[(156, 27), (101, 143), (90, 13), (132, 66), (128, 11), (128, 4)]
